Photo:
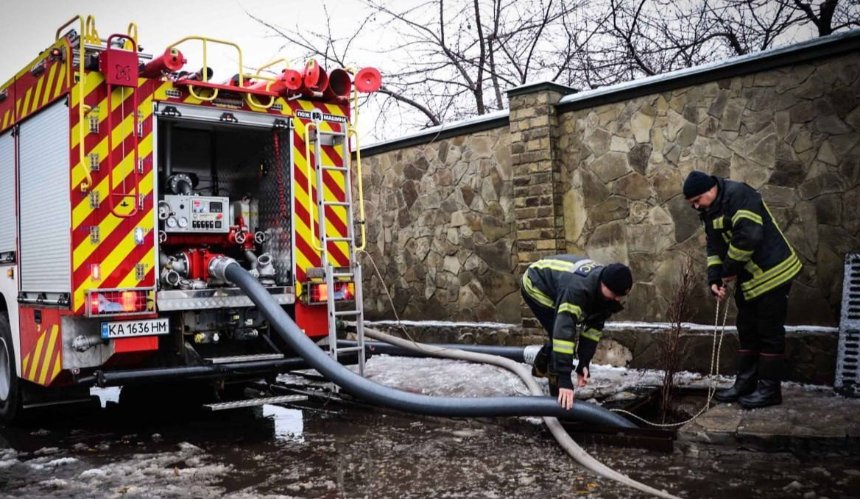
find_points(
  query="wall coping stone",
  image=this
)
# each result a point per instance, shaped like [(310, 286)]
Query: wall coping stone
[(810, 50), (540, 86), (489, 121)]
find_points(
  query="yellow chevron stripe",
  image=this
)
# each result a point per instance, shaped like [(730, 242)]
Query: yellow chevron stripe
[(22, 104), (302, 261), (46, 96), (86, 248), (333, 109), (302, 197), (106, 226), (310, 106), (58, 88), (123, 129), (130, 280), (25, 362), (91, 81), (39, 84), (161, 92), (46, 364), (121, 171), (57, 367), (108, 265), (37, 357), (6, 117), (145, 108)]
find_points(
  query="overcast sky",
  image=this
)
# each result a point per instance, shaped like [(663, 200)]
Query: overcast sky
[(29, 26)]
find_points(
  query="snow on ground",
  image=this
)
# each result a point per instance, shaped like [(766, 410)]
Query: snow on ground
[(183, 472), (454, 378), (616, 325)]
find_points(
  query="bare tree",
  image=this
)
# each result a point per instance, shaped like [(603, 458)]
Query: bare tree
[(832, 15), (670, 348), (444, 60)]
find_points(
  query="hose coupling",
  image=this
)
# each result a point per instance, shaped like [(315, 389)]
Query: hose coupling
[(218, 267)]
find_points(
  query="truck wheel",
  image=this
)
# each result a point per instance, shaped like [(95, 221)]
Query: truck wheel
[(10, 384)]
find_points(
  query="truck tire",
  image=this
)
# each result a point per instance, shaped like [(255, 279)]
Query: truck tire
[(10, 384)]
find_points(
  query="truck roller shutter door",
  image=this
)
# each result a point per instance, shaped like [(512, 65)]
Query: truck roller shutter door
[(7, 193), (45, 206)]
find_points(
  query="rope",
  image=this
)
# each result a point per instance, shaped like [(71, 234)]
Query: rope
[(716, 346)]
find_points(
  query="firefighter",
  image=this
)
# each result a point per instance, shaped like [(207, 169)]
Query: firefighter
[(564, 291), (744, 244)]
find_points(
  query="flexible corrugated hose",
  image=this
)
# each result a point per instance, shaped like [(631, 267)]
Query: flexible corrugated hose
[(564, 439)]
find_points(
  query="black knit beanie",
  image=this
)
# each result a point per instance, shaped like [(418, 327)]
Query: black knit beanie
[(618, 278), (698, 183)]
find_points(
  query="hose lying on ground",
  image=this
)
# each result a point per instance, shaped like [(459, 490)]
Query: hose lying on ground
[(555, 427), (227, 269)]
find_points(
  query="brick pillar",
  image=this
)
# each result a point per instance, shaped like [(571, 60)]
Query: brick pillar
[(537, 200)]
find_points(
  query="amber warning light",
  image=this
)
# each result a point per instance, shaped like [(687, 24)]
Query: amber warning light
[(119, 302), (318, 292)]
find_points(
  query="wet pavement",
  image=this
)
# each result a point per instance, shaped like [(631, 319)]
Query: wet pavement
[(809, 418), (336, 450)]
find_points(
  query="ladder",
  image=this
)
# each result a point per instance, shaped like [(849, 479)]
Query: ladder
[(334, 274), (120, 68)]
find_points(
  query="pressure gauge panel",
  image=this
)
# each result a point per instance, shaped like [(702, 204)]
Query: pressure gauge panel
[(196, 214)]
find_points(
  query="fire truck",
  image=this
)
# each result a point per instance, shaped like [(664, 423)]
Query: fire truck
[(124, 175)]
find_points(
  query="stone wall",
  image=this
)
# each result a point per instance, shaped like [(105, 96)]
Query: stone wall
[(790, 132), (441, 229), (456, 214)]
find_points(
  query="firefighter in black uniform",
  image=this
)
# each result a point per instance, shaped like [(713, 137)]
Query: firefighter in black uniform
[(745, 244), (564, 291)]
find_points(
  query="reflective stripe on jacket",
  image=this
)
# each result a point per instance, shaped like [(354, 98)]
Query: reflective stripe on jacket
[(570, 285), (744, 240)]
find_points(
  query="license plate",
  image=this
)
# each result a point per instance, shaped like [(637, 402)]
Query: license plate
[(127, 329)]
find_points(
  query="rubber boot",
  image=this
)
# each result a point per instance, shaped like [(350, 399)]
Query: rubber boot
[(769, 389), (745, 381)]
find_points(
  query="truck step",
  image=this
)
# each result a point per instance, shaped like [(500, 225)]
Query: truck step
[(335, 168), (342, 313), (282, 399), (341, 351), (245, 358)]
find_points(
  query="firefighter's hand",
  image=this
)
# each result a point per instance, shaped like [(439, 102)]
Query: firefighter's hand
[(565, 398), (582, 379), (719, 292)]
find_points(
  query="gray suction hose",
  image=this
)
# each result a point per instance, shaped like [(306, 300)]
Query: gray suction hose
[(227, 269), (557, 430)]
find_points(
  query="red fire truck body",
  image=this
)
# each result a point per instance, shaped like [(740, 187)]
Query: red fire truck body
[(122, 177)]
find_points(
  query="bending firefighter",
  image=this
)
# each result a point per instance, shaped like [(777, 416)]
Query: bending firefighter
[(745, 244), (565, 291)]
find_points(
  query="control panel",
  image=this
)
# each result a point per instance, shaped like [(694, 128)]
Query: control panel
[(195, 214)]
